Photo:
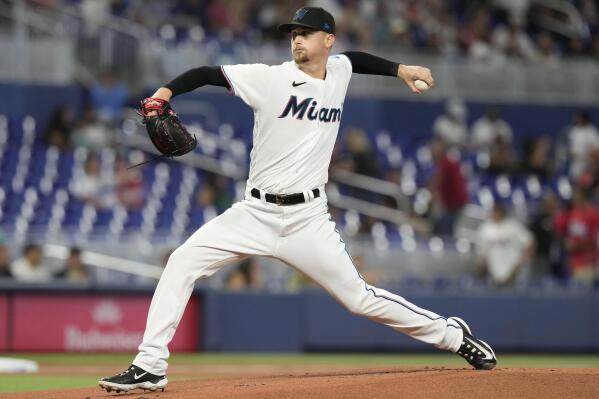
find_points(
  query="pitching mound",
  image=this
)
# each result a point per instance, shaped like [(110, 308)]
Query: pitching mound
[(372, 383)]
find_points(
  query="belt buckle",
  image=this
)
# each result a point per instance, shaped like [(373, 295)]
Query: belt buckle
[(279, 200)]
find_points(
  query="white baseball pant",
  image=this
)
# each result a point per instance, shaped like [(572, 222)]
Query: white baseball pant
[(302, 236)]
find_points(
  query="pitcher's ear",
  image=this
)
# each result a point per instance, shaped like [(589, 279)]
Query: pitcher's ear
[(329, 41)]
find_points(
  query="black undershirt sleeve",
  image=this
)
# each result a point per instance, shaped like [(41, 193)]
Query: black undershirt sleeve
[(197, 77), (371, 64)]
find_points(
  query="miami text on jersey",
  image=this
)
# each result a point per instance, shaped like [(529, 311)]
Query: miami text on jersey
[(310, 106)]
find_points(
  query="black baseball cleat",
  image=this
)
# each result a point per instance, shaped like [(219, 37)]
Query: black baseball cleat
[(476, 352), (133, 378)]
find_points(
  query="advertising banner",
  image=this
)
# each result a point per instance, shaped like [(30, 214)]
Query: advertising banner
[(3, 323), (76, 322)]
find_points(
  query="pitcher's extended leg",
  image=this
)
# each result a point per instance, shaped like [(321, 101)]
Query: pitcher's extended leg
[(221, 241), (318, 251)]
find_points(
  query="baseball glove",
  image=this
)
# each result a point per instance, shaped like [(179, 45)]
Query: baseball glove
[(167, 133)]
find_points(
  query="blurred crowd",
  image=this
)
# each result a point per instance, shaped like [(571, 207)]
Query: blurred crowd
[(558, 232), (491, 30), (559, 237), (94, 128)]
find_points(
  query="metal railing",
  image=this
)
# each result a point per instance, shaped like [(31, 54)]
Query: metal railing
[(374, 209), (372, 184), (103, 261)]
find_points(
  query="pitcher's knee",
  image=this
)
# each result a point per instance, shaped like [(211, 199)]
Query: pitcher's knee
[(356, 305), (178, 256), (194, 261), (185, 259)]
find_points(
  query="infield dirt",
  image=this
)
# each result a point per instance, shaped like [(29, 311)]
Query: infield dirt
[(390, 382)]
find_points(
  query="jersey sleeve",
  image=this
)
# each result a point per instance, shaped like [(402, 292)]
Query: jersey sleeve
[(249, 82), (341, 63)]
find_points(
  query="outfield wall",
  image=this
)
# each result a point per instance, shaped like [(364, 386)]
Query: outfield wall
[(556, 322), (84, 320)]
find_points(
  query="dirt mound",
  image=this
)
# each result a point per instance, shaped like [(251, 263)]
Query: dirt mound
[(372, 383)]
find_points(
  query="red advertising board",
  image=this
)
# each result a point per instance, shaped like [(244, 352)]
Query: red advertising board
[(81, 323), (3, 323)]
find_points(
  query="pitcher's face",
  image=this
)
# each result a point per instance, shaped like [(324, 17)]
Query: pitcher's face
[(309, 44)]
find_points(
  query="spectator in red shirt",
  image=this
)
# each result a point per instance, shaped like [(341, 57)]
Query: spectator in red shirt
[(578, 228), (448, 188)]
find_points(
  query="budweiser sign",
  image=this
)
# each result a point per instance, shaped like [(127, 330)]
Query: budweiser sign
[(80, 322)]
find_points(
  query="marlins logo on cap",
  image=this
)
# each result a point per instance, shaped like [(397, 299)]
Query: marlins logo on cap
[(311, 17), (299, 14)]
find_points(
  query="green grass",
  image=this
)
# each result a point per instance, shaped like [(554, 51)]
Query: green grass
[(23, 382)]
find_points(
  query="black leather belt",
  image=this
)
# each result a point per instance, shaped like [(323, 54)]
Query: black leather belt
[(287, 199)]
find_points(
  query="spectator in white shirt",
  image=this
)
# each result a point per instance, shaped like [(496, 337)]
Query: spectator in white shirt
[(547, 50), (488, 128), (505, 247), (30, 268), (90, 132), (93, 186), (451, 126), (583, 138)]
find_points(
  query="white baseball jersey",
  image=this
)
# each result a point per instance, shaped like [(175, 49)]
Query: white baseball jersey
[(296, 121)]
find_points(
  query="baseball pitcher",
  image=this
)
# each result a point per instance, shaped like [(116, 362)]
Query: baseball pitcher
[(297, 109)]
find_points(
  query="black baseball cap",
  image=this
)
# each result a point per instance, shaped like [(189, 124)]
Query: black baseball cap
[(311, 17)]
